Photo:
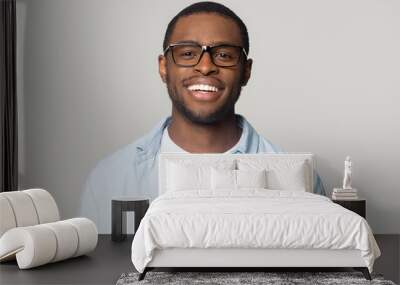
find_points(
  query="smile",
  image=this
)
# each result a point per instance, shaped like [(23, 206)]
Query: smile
[(204, 92), (203, 88)]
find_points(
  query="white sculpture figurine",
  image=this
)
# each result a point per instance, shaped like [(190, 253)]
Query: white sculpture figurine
[(347, 173)]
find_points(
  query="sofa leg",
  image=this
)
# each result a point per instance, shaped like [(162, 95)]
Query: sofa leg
[(142, 275), (364, 271)]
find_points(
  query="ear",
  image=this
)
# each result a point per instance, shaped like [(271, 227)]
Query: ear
[(162, 67), (247, 71)]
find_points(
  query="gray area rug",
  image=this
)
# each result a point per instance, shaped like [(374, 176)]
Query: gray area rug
[(269, 278)]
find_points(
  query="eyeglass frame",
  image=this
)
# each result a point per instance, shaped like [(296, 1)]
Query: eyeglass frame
[(204, 48)]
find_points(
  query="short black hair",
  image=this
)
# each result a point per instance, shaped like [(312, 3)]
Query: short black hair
[(209, 7)]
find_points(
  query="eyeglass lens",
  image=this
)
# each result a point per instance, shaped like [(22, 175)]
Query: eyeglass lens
[(189, 55)]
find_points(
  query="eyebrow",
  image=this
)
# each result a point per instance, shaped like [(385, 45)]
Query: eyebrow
[(213, 44)]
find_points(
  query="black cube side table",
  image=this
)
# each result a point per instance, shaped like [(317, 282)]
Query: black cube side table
[(358, 206), (119, 207)]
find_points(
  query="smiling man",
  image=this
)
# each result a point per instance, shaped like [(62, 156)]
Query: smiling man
[(204, 64)]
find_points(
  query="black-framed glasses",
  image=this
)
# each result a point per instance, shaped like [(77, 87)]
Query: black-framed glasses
[(190, 54)]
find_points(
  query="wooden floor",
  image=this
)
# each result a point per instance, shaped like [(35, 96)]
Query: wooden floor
[(110, 260)]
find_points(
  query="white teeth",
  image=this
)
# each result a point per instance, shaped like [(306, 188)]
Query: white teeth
[(202, 87)]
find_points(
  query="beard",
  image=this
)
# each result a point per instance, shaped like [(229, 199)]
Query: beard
[(218, 115)]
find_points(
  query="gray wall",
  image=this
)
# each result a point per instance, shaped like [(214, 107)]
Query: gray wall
[(325, 79)]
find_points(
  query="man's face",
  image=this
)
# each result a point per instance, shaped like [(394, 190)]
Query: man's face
[(204, 107)]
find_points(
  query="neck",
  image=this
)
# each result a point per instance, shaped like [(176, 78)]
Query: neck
[(204, 138)]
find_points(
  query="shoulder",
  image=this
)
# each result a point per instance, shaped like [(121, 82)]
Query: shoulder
[(267, 146), (256, 143), (114, 164), (126, 158)]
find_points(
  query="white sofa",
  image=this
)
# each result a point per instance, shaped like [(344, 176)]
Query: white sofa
[(31, 231)]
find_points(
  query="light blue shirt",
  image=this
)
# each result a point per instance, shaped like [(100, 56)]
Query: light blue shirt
[(133, 171)]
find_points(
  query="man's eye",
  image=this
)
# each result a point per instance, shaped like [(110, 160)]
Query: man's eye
[(187, 54), (223, 55)]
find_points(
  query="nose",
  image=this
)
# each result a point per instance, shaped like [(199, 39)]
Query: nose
[(205, 65)]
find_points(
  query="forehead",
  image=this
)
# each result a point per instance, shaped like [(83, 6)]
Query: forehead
[(206, 29)]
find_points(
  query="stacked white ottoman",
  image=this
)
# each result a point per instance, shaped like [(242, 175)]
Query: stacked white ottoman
[(31, 230)]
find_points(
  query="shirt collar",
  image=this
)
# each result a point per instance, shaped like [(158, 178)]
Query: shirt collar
[(249, 140), (149, 145)]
